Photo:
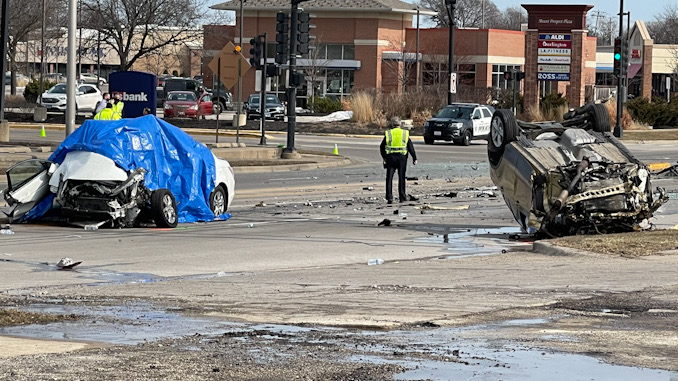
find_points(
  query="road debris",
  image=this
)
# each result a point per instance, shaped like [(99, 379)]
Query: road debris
[(374, 262), (368, 188), (433, 207), (385, 222), (448, 194), (67, 264), (261, 203)]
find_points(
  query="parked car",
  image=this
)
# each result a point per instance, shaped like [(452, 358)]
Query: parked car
[(86, 98), (55, 77), (92, 79), (221, 102), (569, 178), (184, 104), (20, 79), (459, 123), (274, 108), (100, 175)]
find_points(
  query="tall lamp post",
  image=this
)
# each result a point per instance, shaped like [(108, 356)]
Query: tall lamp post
[(450, 4), (618, 129), (3, 53)]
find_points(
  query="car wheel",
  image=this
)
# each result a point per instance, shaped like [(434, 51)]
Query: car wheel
[(601, 118), (466, 138), (218, 201), (503, 130), (164, 208), (216, 107), (428, 140)]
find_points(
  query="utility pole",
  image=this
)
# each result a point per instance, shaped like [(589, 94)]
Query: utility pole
[(239, 110), (262, 96), (450, 58), (70, 67), (3, 54), (418, 76), (294, 80), (618, 129)]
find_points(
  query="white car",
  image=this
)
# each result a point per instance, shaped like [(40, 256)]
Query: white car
[(91, 79), (86, 98), (144, 171)]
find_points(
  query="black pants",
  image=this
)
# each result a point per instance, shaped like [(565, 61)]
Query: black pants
[(396, 161)]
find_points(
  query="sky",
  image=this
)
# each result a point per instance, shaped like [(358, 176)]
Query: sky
[(640, 9)]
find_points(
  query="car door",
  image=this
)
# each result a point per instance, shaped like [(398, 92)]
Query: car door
[(205, 106), (486, 120), (88, 97), (28, 184), (476, 120)]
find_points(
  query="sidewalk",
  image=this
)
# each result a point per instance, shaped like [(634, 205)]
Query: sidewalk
[(243, 159)]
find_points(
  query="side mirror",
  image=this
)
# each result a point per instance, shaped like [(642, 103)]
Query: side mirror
[(52, 168)]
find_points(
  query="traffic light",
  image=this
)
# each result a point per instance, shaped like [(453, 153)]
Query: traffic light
[(625, 58), (303, 27), (255, 51), (272, 70), (282, 37), (520, 75), (617, 56)]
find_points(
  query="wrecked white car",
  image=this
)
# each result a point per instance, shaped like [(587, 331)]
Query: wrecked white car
[(572, 177), (123, 174)]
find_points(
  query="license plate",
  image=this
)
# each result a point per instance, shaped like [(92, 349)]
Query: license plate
[(437, 133), (182, 113), (268, 114)]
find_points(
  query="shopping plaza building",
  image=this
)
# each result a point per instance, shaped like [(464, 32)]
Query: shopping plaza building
[(372, 44)]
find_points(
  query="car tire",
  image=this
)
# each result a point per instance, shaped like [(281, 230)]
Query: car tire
[(218, 201), (503, 130), (600, 118), (428, 140), (466, 138), (216, 107), (164, 208)]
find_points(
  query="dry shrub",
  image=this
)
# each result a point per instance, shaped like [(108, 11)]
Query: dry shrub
[(533, 114), (15, 101), (626, 121), (345, 104), (419, 117), (558, 112), (362, 105)]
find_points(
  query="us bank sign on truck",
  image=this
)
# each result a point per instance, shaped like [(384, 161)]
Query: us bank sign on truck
[(554, 52)]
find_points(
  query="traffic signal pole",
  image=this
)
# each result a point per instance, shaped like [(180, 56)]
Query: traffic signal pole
[(290, 151), (618, 129), (262, 97)]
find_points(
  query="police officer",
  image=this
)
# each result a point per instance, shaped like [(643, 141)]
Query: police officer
[(394, 149), (102, 103), (118, 105), (106, 114)]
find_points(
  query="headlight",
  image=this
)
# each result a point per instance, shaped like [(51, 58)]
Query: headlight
[(167, 106), (426, 124), (457, 125), (194, 107)]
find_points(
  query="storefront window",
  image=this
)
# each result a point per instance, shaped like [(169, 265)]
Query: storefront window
[(334, 52), (349, 52), (498, 80)]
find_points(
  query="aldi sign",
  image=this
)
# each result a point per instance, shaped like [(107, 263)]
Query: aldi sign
[(556, 37)]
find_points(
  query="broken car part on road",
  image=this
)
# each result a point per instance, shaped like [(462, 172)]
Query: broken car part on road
[(572, 177)]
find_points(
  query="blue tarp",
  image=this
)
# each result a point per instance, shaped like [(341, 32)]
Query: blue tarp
[(173, 159)]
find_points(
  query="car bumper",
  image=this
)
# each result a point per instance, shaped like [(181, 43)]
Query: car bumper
[(443, 133)]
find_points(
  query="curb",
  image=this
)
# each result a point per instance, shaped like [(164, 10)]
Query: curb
[(547, 248), (291, 167)]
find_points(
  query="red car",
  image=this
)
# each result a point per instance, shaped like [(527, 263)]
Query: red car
[(185, 104)]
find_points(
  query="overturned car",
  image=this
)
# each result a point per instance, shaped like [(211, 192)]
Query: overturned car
[(123, 173), (569, 178)]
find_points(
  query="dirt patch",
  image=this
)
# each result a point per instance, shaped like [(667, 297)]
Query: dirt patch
[(635, 244), (663, 134), (10, 317)]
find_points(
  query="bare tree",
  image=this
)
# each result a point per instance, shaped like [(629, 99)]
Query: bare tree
[(135, 28), (664, 28), (468, 13), (512, 19), (314, 67), (25, 21), (401, 66)]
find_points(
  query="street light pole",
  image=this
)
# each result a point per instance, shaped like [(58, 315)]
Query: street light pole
[(239, 110), (70, 68), (418, 77), (3, 53)]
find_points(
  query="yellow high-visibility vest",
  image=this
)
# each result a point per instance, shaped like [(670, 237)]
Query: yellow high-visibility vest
[(117, 108), (105, 114), (396, 140)]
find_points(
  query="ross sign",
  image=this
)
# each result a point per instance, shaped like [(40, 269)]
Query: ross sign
[(453, 83), (553, 60), (553, 68), (555, 44), (555, 37), (138, 91), (554, 52), (228, 58), (553, 76)]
